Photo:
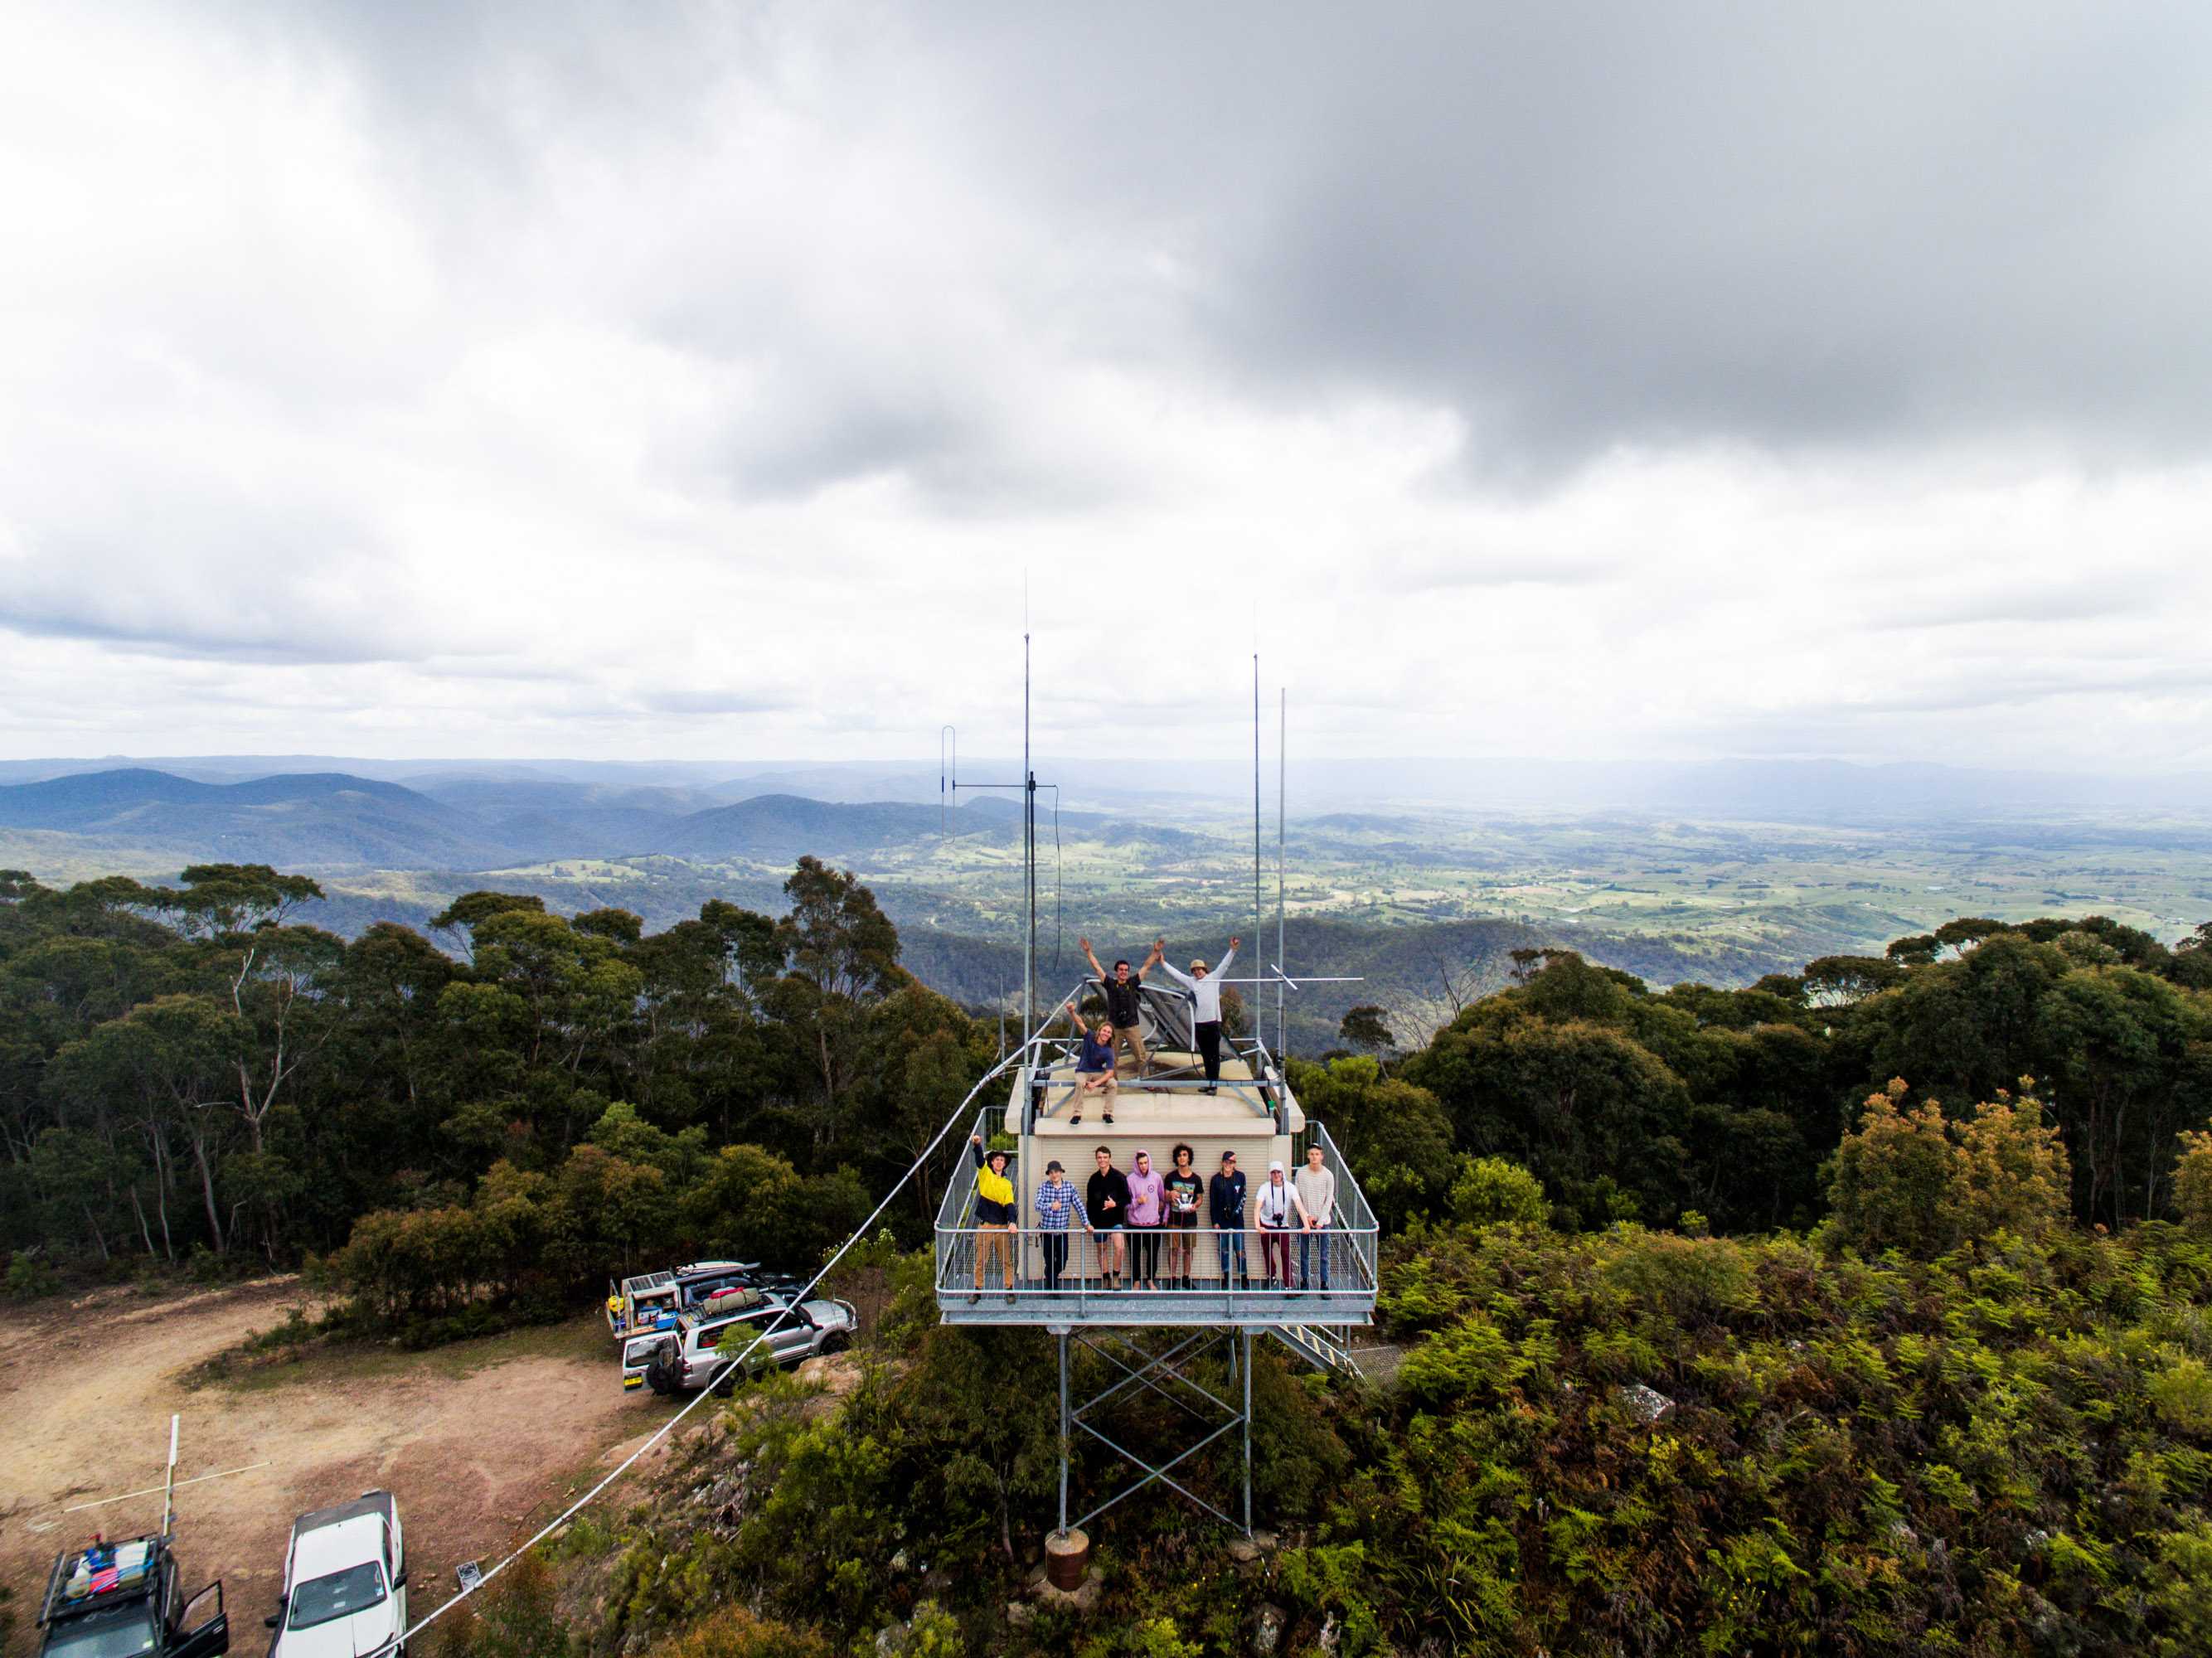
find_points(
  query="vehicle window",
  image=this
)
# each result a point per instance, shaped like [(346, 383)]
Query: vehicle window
[(338, 1596), (123, 1632)]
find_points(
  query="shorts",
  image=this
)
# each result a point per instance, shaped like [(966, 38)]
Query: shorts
[(1183, 1222)]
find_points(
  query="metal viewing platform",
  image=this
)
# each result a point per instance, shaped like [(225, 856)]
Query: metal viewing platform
[(1285, 1278), (1297, 1284)]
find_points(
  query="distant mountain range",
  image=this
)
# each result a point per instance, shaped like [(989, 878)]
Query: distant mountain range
[(317, 819), (324, 820), (1834, 791)]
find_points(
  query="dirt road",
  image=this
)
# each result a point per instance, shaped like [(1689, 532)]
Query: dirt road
[(476, 1441)]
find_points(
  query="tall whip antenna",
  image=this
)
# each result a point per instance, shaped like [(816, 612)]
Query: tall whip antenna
[(1256, 933), (1282, 795), (169, 1484), (1028, 830)]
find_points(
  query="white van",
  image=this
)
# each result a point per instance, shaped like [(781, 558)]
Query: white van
[(345, 1581)]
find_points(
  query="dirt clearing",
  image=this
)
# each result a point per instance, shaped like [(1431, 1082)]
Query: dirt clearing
[(479, 1441)]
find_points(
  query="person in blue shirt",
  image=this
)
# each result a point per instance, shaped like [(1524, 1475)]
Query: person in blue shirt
[(1058, 1203), (1094, 1065)]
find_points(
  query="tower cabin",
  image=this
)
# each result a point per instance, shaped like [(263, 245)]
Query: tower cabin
[(1297, 1284)]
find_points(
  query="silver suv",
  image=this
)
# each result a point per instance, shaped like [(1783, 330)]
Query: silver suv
[(701, 1347)]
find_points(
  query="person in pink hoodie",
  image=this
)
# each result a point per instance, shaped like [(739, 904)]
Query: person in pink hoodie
[(1147, 1217)]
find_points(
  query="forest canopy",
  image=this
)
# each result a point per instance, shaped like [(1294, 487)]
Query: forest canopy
[(184, 1069)]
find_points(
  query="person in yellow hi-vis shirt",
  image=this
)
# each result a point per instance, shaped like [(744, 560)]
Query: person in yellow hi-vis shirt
[(996, 1226), (614, 1312)]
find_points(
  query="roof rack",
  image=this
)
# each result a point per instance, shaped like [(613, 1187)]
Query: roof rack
[(134, 1570)]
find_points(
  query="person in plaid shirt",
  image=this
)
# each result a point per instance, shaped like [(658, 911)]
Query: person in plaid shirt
[(1056, 1199)]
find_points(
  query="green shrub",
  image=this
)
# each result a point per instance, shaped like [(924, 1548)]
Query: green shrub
[(1492, 1191), (2192, 1181), (1909, 1178), (31, 1276)]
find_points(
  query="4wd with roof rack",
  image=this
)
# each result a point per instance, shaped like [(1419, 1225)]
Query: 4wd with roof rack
[(124, 1601), (704, 1345)]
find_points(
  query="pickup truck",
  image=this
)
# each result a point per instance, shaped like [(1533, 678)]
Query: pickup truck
[(345, 1581)]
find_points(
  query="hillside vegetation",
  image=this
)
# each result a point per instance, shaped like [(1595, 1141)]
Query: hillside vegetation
[(1864, 1310)]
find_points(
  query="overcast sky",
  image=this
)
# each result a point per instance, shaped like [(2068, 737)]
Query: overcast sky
[(692, 382)]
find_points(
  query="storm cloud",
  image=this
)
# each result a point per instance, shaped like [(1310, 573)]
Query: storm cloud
[(737, 380)]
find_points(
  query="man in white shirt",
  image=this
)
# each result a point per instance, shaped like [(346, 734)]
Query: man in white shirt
[(1205, 988), (1314, 1194), (1278, 1217)]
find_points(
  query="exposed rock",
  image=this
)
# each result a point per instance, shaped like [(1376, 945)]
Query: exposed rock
[(1647, 1403), (1020, 1614), (1083, 1600), (1267, 1629), (836, 1374), (1245, 1551)]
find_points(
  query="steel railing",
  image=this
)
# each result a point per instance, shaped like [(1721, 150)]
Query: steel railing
[(1281, 1272), (1049, 1061)]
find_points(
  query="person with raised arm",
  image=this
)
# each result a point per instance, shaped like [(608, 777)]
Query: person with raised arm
[(1124, 1005), (1094, 1065), (1205, 988), (997, 1225)]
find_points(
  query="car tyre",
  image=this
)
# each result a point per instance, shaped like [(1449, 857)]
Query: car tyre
[(836, 1342)]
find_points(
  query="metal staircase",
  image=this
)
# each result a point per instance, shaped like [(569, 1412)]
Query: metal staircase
[(1319, 1347)]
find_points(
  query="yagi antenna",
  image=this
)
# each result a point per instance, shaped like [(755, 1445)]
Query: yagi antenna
[(949, 787), (948, 774)]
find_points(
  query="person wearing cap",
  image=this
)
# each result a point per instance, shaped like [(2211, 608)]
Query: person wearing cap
[(1106, 1198), (996, 1223), (1205, 988), (1276, 1217), (1313, 1195), (1056, 1201), (1224, 1208), (1148, 1210), (1123, 1004)]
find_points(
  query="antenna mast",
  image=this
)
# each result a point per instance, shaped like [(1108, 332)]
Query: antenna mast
[(1282, 795), (1257, 934), (949, 787), (169, 1484), (1029, 835)]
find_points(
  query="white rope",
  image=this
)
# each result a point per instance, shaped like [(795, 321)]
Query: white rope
[(670, 1426)]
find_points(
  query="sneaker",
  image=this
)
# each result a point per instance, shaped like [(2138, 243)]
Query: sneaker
[(1109, 1117), (977, 1296), (1076, 1121), (1010, 1297)]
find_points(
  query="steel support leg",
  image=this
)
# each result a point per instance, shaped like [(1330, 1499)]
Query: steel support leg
[(1151, 1374), (1248, 1433), (1065, 1447)]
